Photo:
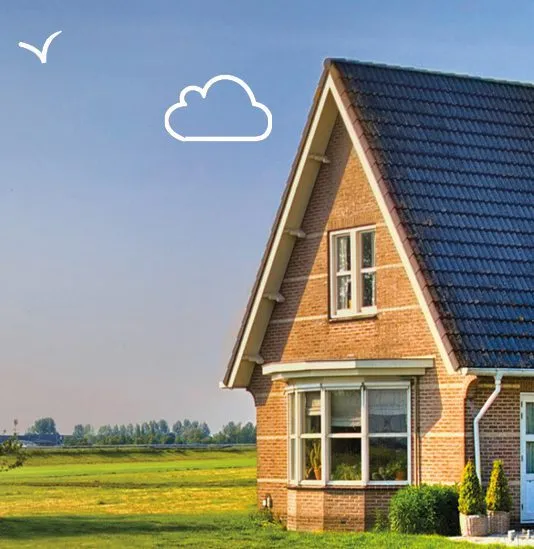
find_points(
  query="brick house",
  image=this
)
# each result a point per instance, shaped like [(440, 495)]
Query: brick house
[(389, 335)]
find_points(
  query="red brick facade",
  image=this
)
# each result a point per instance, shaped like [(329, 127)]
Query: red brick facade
[(300, 330)]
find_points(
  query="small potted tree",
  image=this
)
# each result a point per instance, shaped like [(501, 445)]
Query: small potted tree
[(473, 519), (314, 459), (498, 500)]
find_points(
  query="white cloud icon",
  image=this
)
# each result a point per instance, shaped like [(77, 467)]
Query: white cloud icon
[(203, 93)]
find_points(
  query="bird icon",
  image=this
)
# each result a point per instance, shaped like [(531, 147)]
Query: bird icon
[(40, 54)]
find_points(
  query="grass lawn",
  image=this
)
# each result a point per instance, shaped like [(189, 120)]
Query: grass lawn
[(153, 499)]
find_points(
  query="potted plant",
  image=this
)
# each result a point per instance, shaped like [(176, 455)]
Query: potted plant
[(473, 519), (400, 468), (314, 459), (498, 500), (344, 471), (400, 472)]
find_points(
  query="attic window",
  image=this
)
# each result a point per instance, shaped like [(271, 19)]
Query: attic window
[(353, 272)]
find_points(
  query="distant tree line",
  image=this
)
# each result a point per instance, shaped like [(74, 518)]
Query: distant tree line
[(152, 432)]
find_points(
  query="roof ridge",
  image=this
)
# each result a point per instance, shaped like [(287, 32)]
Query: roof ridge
[(341, 60)]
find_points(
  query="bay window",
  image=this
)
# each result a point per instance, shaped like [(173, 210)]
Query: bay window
[(355, 434), (352, 272)]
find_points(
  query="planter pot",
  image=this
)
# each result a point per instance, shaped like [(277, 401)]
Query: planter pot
[(317, 472), (498, 522), (474, 525), (400, 475)]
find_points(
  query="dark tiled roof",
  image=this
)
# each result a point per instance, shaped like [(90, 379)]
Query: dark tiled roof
[(458, 155)]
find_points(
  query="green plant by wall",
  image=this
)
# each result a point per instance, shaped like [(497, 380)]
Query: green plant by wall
[(425, 510), (471, 500), (498, 496), (381, 523)]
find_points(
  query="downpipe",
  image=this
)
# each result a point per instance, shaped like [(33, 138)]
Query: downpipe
[(479, 416)]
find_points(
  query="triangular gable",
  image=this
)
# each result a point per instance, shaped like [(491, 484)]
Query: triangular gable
[(331, 100)]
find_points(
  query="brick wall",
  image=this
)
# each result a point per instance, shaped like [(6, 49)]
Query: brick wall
[(300, 330)]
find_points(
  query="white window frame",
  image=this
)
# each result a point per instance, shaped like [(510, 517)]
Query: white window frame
[(325, 436), (356, 272)]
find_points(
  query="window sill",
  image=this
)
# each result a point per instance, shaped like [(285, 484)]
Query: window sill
[(343, 485), (368, 315)]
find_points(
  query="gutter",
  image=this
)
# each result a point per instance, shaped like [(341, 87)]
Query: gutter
[(494, 372), (476, 427)]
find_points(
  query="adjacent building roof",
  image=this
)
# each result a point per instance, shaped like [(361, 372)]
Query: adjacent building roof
[(457, 154), (453, 164)]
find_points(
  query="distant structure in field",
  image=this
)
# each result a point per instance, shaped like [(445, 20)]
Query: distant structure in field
[(36, 439)]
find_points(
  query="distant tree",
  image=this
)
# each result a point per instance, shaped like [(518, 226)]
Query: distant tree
[(231, 431), (236, 433), (194, 432), (177, 428), (248, 433), (78, 432), (205, 430), (163, 427), (43, 426), (81, 435), (12, 455), (170, 438)]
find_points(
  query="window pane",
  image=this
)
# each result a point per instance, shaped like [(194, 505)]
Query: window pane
[(388, 458), (530, 417), (346, 459), (530, 458), (368, 289), (293, 459), (368, 250), (311, 452), (388, 410), (345, 416), (344, 292), (312, 412), (292, 413), (343, 253)]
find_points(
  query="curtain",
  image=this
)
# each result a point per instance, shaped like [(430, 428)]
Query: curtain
[(388, 410), (346, 409), (343, 253), (313, 404), (343, 292)]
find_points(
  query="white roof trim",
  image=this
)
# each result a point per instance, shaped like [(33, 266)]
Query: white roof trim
[(279, 234), (355, 367), (328, 95), (492, 372)]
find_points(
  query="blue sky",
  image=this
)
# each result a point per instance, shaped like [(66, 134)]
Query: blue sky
[(127, 256)]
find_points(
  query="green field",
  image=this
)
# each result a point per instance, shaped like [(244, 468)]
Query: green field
[(164, 498)]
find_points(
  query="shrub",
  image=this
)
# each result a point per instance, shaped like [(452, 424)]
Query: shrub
[(498, 496), (381, 523), (425, 510), (262, 517), (471, 501)]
